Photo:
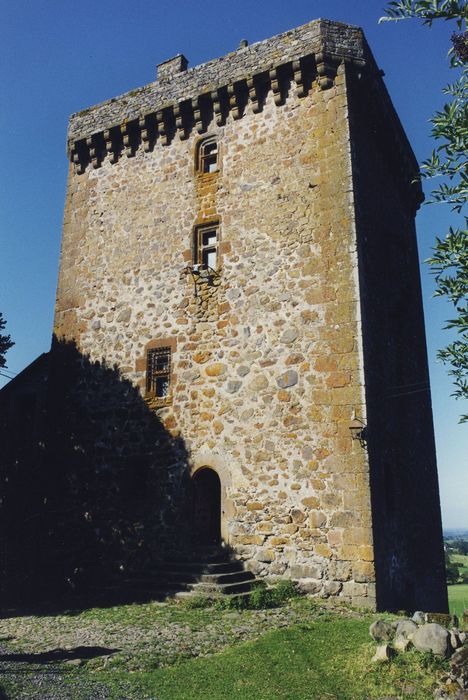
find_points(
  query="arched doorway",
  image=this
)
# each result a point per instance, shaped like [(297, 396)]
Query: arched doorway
[(206, 507)]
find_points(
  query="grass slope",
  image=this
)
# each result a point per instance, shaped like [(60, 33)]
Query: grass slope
[(458, 598), (324, 661), (302, 650)]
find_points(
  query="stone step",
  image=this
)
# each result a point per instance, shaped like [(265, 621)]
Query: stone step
[(145, 590), (211, 574), (220, 577), (200, 567), (222, 588), (184, 595), (202, 554)]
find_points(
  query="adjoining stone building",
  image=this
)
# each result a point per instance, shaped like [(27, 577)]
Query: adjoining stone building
[(239, 242)]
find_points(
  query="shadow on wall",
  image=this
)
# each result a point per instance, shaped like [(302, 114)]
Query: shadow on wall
[(100, 496)]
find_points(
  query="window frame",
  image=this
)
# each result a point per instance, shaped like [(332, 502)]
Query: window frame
[(202, 158), (202, 250)]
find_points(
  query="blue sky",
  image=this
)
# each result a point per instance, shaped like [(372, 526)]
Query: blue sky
[(60, 56)]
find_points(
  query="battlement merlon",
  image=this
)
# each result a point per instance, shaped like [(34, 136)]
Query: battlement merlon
[(318, 36), (178, 90)]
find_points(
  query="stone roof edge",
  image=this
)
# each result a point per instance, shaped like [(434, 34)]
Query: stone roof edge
[(262, 57)]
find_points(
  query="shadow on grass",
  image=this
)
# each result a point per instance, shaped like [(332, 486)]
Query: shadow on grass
[(56, 655)]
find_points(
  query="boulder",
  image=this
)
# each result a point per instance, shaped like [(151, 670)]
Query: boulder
[(455, 640), (381, 631), (403, 634), (432, 637), (459, 667), (405, 629), (419, 617), (402, 643), (384, 652)]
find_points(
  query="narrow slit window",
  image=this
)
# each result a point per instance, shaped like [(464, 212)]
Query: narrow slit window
[(158, 372), (208, 156), (206, 246)]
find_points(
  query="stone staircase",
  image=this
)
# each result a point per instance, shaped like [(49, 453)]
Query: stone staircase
[(213, 575), (206, 571)]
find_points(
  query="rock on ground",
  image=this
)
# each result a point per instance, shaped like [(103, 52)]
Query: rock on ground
[(381, 631), (432, 637)]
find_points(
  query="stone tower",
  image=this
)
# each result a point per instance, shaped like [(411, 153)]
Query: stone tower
[(239, 242)]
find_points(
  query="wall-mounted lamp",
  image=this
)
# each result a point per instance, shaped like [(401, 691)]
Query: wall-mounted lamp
[(358, 431)]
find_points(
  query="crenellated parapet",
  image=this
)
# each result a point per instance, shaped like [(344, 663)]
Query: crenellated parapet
[(184, 100)]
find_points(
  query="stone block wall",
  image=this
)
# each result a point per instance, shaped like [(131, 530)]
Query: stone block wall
[(271, 361), (266, 369)]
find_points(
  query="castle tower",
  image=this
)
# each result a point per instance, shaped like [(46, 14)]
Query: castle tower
[(239, 242)]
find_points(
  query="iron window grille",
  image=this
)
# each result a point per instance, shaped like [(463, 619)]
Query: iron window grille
[(158, 372)]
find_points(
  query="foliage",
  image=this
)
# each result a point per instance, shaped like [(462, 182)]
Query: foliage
[(261, 597), (428, 10), (198, 602), (456, 563), (461, 546), (448, 161), (5, 342), (452, 571)]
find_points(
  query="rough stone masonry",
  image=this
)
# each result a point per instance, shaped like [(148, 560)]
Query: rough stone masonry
[(310, 322)]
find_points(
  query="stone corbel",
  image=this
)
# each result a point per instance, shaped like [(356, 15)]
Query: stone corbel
[(144, 132), (276, 86), (253, 95), (179, 122), (217, 108), (197, 115), (233, 102), (124, 130), (326, 70), (93, 151), (78, 164), (162, 128), (301, 90), (110, 146)]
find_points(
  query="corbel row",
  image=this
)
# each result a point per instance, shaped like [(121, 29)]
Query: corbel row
[(178, 120)]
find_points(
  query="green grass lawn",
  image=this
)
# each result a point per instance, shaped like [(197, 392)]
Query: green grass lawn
[(458, 598), (460, 559), (304, 650), (328, 660)]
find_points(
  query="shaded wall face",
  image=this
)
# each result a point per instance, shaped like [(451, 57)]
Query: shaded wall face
[(85, 488), (22, 413), (405, 498), (266, 371)]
